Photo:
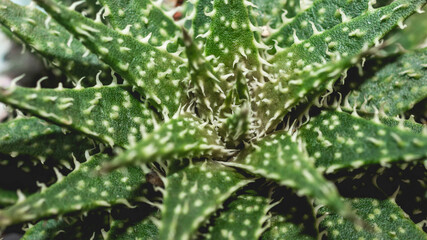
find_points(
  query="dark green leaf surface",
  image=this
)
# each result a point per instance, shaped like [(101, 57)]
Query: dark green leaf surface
[(231, 44), (51, 40), (387, 219), (270, 13), (395, 88), (282, 158), (182, 137), (7, 197), (241, 219), (40, 140), (304, 70), (339, 140), (87, 227), (125, 230), (194, 193), (154, 73), (81, 190), (109, 114), (143, 18), (279, 229), (207, 90), (322, 15)]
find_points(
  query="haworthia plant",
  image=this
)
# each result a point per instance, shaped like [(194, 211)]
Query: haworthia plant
[(202, 100)]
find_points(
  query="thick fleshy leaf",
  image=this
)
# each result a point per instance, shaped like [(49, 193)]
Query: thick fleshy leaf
[(52, 41), (194, 193), (308, 68), (396, 87), (154, 73), (279, 228), (109, 113), (322, 15), (208, 93), (230, 42), (412, 37), (144, 18), (282, 158), (7, 197), (182, 137), (137, 226), (81, 190), (88, 227), (387, 219), (339, 140), (272, 13), (40, 140), (235, 128), (241, 219)]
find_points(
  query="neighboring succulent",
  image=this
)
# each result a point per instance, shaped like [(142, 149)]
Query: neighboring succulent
[(224, 124)]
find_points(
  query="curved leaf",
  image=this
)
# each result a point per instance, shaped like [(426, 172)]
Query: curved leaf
[(81, 190), (51, 40), (339, 140), (194, 193), (109, 113), (154, 73)]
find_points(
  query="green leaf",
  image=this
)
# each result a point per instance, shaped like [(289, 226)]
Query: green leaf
[(7, 197), (68, 229), (182, 137), (194, 193), (279, 228), (396, 87), (230, 43), (299, 72), (271, 13), (43, 141), (387, 219), (81, 190), (156, 74), (339, 140), (144, 18), (322, 15), (107, 113), (235, 127), (51, 40), (410, 38), (282, 158), (201, 21), (139, 226), (208, 93), (241, 219)]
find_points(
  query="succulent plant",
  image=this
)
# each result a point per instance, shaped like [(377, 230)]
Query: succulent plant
[(243, 119)]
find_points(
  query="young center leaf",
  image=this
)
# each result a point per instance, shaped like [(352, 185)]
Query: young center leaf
[(185, 136), (281, 157)]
